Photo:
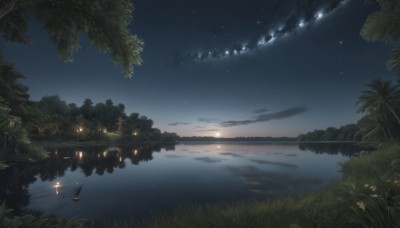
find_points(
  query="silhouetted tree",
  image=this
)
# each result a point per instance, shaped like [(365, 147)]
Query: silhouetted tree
[(382, 99), (104, 22), (384, 25)]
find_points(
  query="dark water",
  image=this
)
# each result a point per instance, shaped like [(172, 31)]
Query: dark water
[(122, 182)]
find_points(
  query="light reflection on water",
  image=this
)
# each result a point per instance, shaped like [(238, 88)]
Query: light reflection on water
[(121, 182)]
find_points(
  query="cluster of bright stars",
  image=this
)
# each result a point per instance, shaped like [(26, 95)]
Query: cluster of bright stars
[(263, 41)]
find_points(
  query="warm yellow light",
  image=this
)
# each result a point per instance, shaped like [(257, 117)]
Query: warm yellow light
[(57, 185), (105, 154), (218, 134), (219, 147), (80, 154), (135, 152), (80, 129), (135, 133), (120, 159)]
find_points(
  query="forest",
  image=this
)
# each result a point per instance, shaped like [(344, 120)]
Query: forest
[(380, 104), (23, 121)]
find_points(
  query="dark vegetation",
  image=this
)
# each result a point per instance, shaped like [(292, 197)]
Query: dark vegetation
[(51, 119), (381, 103)]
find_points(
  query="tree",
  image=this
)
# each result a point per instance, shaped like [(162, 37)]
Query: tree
[(372, 127), (384, 25), (87, 109), (382, 98), (104, 21), (14, 93)]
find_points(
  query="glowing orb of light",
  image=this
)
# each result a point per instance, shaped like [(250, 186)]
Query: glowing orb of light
[(219, 147), (301, 23), (218, 134), (57, 185), (226, 52), (261, 42), (272, 40)]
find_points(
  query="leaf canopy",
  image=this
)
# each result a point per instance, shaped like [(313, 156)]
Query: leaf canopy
[(104, 21)]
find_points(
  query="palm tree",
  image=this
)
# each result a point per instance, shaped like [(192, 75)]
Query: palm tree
[(384, 25), (381, 97), (372, 126)]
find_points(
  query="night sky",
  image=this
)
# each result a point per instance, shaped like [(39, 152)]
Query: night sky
[(238, 67)]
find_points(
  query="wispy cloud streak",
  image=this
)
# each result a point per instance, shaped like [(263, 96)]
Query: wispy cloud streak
[(265, 117)]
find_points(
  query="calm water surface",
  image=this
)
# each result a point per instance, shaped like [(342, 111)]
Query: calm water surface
[(121, 182)]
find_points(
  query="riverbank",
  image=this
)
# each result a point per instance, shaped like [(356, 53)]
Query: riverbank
[(367, 197)]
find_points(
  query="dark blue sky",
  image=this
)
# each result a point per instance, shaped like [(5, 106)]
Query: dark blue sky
[(308, 79)]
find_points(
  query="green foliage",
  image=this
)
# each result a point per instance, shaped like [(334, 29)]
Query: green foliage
[(381, 101), (384, 25), (104, 21), (344, 133), (14, 94), (51, 118), (7, 219), (374, 204)]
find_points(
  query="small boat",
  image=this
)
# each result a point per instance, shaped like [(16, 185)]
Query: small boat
[(77, 192)]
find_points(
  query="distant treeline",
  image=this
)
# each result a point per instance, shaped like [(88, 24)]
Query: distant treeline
[(240, 139), (350, 132), (53, 118), (50, 118)]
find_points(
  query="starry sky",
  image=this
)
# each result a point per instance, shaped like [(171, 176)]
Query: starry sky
[(234, 67)]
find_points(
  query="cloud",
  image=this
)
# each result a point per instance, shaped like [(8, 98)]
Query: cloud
[(208, 130), (261, 110), (265, 117), (208, 120), (177, 124), (293, 16)]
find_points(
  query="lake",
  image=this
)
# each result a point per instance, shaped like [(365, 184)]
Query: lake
[(133, 182)]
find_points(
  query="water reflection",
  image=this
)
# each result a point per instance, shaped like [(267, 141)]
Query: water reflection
[(345, 149), (223, 171), (99, 160)]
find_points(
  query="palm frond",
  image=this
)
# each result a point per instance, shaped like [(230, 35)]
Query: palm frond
[(382, 26), (394, 61)]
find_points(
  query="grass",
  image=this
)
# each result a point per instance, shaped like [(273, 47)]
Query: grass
[(368, 196)]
